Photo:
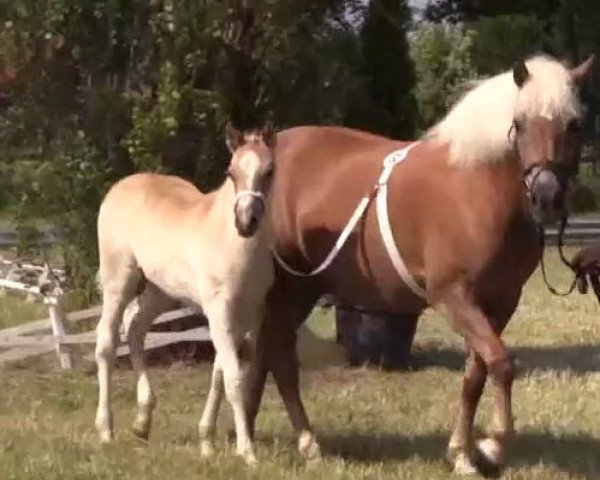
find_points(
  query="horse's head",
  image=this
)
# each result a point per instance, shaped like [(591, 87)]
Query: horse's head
[(547, 131), (251, 171)]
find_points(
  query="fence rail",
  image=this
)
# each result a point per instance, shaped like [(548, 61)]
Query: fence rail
[(43, 336)]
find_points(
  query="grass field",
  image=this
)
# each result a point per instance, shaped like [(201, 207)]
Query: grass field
[(372, 425)]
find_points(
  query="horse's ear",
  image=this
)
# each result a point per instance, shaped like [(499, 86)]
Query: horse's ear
[(234, 138), (520, 73), (582, 73), (268, 135)]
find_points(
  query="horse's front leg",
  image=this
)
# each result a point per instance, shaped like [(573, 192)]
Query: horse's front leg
[(287, 307), (488, 356), (226, 333)]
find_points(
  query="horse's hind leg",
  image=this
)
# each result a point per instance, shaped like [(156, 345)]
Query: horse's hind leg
[(487, 355), (208, 422), (120, 277), (139, 315), (287, 308)]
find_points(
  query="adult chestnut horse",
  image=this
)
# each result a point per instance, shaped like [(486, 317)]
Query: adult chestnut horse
[(463, 208)]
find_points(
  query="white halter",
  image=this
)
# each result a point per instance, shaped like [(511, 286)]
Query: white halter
[(389, 162), (250, 193)]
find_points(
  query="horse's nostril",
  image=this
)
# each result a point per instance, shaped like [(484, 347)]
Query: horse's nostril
[(559, 201), (252, 222)]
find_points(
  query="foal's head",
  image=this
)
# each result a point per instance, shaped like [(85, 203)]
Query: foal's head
[(251, 171), (547, 131)]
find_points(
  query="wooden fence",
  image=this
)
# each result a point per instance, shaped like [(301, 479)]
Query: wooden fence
[(46, 284)]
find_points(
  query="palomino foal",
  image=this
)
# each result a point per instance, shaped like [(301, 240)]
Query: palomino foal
[(161, 239)]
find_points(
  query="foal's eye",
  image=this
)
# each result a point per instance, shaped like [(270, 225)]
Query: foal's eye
[(517, 125), (573, 126)]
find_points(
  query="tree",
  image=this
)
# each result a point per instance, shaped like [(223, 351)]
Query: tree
[(442, 54), (387, 70), (503, 39), (102, 88)]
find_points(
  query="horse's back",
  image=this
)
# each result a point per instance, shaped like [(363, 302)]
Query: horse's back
[(151, 190), (141, 208)]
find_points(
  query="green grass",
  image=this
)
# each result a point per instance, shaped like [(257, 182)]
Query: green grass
[(372, 425), (14, 310)]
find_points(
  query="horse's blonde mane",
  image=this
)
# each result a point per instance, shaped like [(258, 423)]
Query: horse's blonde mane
[(477, 127)]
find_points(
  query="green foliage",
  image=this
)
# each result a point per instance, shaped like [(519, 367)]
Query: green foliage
[(102, 88), (67, 189), (583, 199), (503, 39), (442, 55), (388, 69)]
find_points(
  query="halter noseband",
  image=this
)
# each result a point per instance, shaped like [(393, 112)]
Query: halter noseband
[(250, 193), (530, 176)]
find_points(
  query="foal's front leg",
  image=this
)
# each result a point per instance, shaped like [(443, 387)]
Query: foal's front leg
[(227, 333)]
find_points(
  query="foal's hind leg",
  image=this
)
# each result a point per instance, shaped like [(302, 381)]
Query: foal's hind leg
[(120, 277), (139, 317), (487, 354), (208, 422)]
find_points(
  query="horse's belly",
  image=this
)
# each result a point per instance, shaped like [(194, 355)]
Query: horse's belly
[(176, 279)]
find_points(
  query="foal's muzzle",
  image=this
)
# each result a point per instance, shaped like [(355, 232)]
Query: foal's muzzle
[(547, 193), (249, 209)]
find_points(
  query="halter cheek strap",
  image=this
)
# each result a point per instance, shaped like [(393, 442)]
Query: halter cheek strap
[(250, 193)]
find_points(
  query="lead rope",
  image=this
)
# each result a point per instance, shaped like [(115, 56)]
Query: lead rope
[(561, 231)]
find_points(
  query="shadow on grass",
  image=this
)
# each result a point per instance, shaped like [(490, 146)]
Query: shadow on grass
[(573, 454), (573, 358)]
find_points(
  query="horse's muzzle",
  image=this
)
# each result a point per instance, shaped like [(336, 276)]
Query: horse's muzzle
[(547, 197), (249, 212)]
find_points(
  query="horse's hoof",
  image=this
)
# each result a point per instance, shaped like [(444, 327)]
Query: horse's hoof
[(106, 436), (463, 465), (250, 459), (489, 457), (207, 448), (308, 446), (142, 432)]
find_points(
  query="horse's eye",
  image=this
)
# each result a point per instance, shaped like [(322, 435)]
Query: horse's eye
[(517, 125), (573, 126)]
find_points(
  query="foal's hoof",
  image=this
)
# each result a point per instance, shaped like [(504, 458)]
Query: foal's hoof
[(106, 436), (142, 432), (250, 459), (489, 458), (207, 448), (463, 465), (308, 446)]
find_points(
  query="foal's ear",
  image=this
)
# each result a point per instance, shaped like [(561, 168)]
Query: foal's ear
[(583, 72), (520, 73), (268, 135), (234, 138)]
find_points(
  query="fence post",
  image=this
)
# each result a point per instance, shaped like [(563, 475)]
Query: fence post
[(57, 320)]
